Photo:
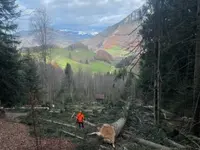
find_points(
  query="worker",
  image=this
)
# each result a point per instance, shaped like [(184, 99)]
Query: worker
[(79, 119)]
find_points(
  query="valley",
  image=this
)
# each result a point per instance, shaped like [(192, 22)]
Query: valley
[(88, 51), (96, 75)]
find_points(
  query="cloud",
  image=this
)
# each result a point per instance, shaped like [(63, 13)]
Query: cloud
[(81, 14)]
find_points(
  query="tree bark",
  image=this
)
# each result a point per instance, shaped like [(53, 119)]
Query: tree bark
[(157, 63), (196, 94), (151, 144)]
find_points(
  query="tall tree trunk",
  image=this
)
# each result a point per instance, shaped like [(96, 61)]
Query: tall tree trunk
[(157, 63), (196, 94)]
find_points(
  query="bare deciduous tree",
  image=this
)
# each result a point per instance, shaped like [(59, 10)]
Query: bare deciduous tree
[(40, 24)]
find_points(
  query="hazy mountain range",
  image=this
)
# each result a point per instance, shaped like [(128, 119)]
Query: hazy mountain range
[(61, 38)]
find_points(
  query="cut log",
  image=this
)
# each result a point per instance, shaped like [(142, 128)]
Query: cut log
[(110, 131), (118, 125)]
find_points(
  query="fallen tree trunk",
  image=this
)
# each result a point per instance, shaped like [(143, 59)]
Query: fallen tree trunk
[(59, 123), (23, 108), (65, 124), (151, 144), (110, 131), (194, 137), (164, 112), (173, 143)]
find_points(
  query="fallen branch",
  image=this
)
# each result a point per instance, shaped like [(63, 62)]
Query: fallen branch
[(104, 147), (81, 138), (194, 137), (72, 134), (73, 115), (173, 143), (89, 123), (151, 144), (187, 137)]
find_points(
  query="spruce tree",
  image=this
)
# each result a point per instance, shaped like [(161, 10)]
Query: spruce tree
[(67, 84), (177, 53), (9, 66), (32, 84)]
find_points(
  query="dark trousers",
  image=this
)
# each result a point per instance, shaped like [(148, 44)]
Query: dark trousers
[(81, 125)]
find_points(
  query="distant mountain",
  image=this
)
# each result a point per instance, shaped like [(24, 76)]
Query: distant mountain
[(120, 34), (60, 38)]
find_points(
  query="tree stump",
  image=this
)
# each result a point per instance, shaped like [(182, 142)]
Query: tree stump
[(2, 113)]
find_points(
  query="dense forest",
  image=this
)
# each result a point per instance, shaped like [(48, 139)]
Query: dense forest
[(162, 100), (170, 38)]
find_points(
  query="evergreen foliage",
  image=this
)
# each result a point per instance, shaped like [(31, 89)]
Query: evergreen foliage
[(31, 79), (177, 53), (9, 76)]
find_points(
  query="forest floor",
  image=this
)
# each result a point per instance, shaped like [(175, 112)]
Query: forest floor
[(61, 127), (16, 136)]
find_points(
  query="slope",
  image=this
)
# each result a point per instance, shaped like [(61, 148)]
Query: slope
[(120, 34), (78, 59)]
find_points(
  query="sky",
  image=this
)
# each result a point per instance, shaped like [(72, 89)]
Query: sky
[(78, 15)]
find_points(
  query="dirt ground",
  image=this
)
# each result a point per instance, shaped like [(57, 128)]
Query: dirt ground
[(15, 136)]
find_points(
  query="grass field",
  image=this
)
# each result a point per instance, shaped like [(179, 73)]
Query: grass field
[(96, 66), (76, 55), (77, 59), (116, 51)]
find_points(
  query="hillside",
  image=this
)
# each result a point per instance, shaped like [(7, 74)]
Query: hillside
[(120, 34), (109, 45), (78, 59)]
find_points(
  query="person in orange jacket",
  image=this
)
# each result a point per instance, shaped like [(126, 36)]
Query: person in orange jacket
[(80, 118)]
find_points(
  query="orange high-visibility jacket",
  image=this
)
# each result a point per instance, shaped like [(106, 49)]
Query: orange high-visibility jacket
[(80, 117)]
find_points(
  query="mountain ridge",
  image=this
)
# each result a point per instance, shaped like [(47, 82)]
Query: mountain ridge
[(119, 34)]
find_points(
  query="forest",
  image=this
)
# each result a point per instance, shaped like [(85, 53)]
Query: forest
[(149, 101)]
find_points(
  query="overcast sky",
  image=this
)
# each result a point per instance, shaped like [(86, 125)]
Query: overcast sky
[(79, 15)]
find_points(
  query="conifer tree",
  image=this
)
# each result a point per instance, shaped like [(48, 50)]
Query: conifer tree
[(9, 76)]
